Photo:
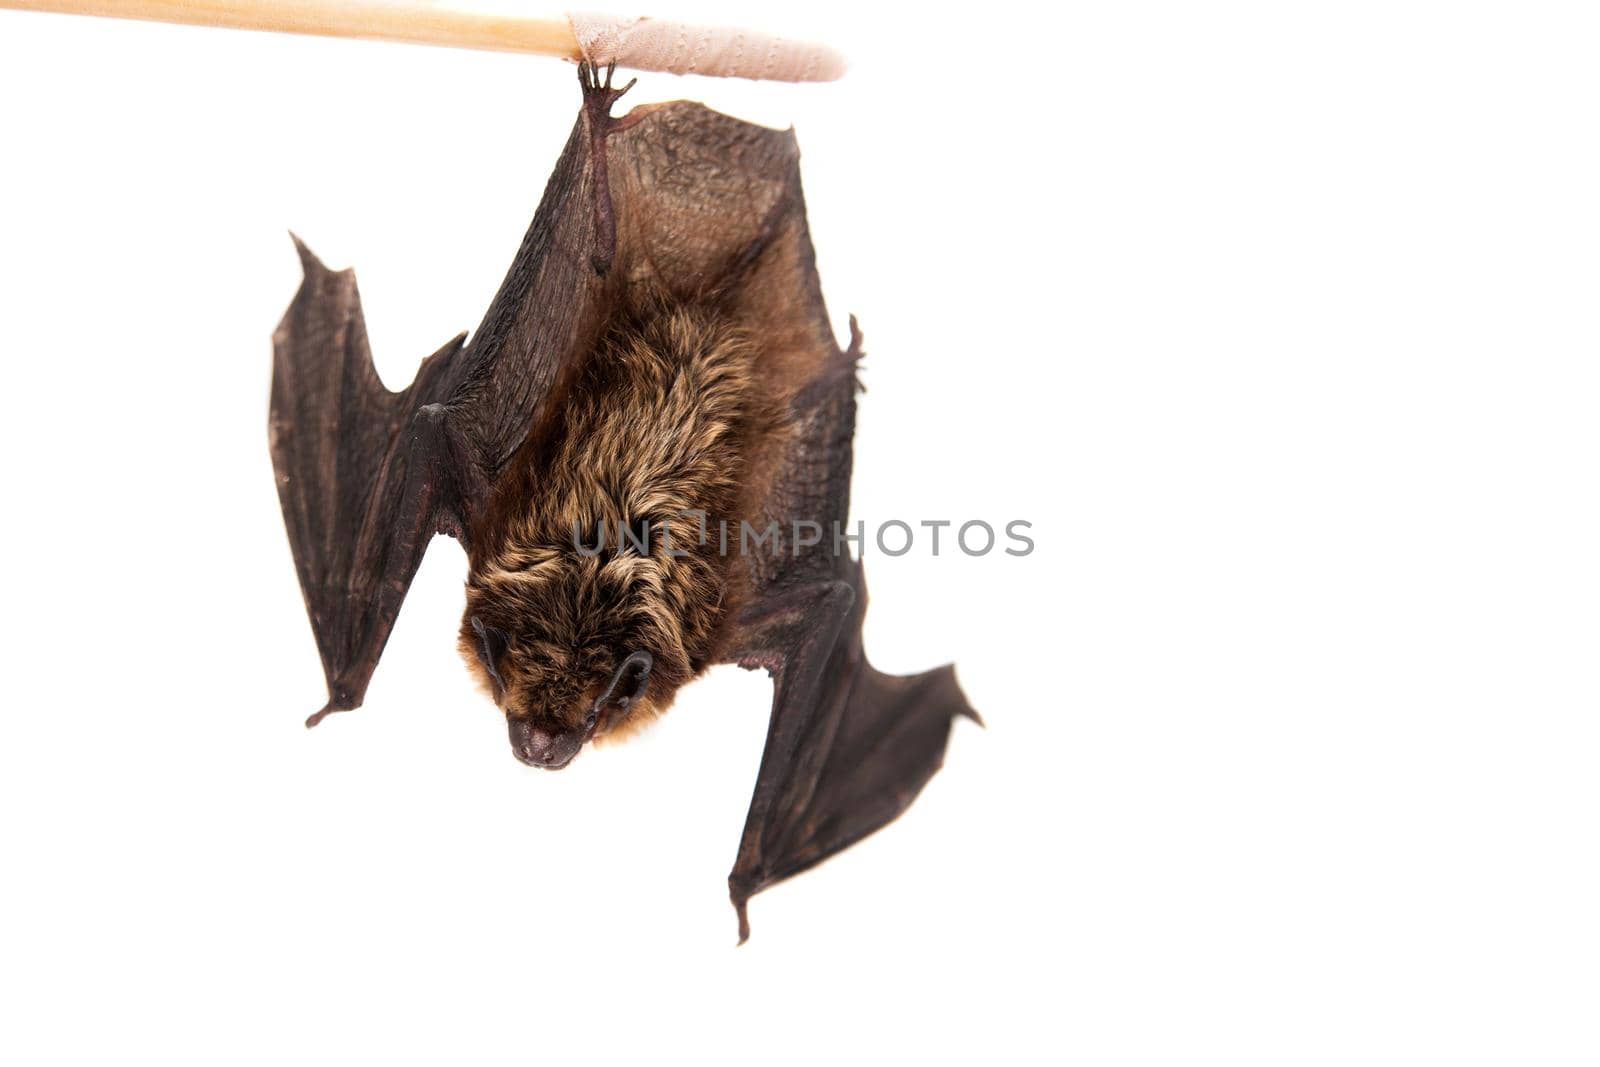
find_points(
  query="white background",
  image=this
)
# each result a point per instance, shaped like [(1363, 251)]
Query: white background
[(1280, 324)]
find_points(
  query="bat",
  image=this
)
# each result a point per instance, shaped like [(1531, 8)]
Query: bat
[(655, 386)]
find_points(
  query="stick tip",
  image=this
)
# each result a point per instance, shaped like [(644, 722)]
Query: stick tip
[(719, 52)]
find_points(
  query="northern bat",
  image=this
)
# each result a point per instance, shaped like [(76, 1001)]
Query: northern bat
[(655, 385)]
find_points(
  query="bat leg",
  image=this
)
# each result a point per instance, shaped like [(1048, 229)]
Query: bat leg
[(598, 97)]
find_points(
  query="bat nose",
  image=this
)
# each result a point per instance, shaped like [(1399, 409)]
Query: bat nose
[(538, 747)]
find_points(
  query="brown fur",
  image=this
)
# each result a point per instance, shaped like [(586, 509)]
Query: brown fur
[(661, 419)]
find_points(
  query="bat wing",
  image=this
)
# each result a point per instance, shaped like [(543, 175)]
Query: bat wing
[(359, 473), (367, 476), (848, 747)]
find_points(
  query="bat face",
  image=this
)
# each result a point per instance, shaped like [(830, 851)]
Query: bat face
[(572, 647), (601, 594), (557, 697)]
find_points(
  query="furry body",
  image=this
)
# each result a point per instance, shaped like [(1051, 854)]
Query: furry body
[(592, 549)]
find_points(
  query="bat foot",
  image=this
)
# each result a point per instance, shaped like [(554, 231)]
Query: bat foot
[(854, 353), (598, 95)]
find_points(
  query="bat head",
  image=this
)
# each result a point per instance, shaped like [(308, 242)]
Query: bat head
[(574, 647), (600, 592)]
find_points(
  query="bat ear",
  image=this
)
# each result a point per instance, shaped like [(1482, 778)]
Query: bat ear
[(492, 645), (628, 683)]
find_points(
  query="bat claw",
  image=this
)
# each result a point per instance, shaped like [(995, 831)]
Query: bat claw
[(854, 353), (327, 709), (598, 95)]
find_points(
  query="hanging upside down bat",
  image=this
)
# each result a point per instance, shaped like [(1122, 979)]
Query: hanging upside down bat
[(656, 371)]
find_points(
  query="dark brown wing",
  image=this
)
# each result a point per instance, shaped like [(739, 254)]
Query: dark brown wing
[(848, 747), (366, 476), (358, 470)]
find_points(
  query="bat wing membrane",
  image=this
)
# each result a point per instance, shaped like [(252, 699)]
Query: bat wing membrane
[(360, 473), (848, 747), (367, 476)]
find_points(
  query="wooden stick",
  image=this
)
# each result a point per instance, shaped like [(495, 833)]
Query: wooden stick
[(644, 44)]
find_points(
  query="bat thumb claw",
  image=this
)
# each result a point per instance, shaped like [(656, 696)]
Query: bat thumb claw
[(327, 709), (740, 904)]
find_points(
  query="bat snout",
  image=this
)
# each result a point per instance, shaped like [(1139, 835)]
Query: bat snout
[(538, 747)]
